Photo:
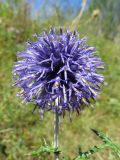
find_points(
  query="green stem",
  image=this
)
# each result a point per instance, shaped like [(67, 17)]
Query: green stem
[(56, 131)]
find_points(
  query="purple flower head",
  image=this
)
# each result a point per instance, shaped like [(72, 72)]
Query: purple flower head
[(58, 66)]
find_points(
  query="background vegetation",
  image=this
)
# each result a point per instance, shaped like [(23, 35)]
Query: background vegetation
[(21, 131)]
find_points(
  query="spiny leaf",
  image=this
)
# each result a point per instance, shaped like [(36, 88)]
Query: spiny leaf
[(45, 149), (87, 154), (108, 142)]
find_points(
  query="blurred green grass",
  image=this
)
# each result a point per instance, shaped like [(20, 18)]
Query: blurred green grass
[(21, 131)]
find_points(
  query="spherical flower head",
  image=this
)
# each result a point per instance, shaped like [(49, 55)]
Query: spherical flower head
[(58, 66)]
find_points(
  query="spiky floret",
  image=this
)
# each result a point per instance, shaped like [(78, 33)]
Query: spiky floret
[(58, 66)]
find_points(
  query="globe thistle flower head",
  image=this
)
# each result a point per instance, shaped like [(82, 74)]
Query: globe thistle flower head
[(58, 66)]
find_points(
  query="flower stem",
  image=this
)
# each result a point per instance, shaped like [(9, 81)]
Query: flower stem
[(56, 131)]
